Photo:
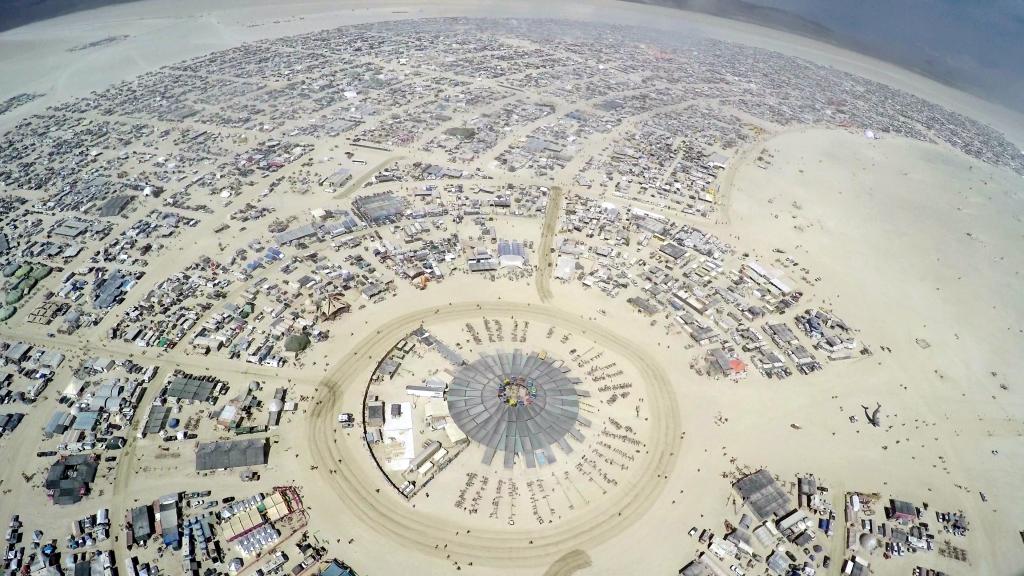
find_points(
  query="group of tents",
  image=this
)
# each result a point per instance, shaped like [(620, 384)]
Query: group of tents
[(22, 279)]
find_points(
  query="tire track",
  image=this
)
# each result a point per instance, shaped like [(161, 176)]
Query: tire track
[(547, 237), (569, 564)]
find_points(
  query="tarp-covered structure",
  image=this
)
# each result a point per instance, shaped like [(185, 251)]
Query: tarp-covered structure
[(232, 454), (190, 388), (763, 495)]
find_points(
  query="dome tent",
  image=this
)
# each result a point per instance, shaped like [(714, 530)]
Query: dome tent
[(13, 296), (868, 541), (296, 343)]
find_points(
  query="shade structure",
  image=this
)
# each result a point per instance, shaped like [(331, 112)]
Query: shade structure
[(232, 454), (763, 494), (517, 404)]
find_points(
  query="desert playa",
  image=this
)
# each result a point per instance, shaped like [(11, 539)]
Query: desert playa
[(494, 288)]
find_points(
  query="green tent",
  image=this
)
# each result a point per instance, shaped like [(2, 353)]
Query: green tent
[(296, 343), (40, 271), (13, 296), (28, 284)]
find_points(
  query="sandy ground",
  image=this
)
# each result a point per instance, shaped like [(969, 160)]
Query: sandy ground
[(911, 241), (919, 244)]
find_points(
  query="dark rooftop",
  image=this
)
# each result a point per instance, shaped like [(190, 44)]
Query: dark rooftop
[(232, 454)]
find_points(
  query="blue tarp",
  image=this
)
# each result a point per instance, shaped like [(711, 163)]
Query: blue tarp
[(337, 569)]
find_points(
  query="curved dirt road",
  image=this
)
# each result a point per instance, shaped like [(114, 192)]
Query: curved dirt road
[(387, 513)]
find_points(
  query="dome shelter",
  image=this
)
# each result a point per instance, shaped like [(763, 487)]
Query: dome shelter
[(296, 343), (868, 541)]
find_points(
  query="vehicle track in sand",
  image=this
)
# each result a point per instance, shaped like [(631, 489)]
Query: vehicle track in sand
[(357, 488), (545, 266), (569, 564)]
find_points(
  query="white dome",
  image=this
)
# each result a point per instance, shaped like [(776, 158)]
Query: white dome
[(868, 541), (275, 405)]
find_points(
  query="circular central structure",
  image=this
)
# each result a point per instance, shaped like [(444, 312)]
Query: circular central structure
[(520, 404)]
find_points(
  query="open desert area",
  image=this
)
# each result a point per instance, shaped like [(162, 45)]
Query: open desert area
[(626, 291)]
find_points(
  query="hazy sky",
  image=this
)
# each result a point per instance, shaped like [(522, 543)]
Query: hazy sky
[(976, 44)]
